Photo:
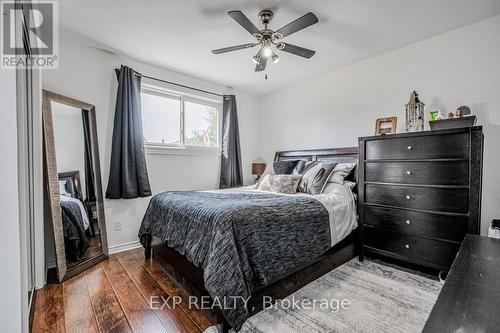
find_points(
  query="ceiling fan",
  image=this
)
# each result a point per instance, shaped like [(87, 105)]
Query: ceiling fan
[(269, 40)]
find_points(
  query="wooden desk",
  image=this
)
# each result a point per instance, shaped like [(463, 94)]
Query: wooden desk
[(470, 298)]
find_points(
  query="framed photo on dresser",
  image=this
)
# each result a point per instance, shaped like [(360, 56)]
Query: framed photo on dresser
[(387, 125)]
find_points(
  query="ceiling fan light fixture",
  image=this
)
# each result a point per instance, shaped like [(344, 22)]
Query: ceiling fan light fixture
[(275, 58), (267, 51), (267, 48)]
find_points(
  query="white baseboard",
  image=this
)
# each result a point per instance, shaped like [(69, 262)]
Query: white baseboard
[(124, 247), (51, 262)]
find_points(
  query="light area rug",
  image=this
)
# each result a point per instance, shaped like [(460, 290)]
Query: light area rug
[(381, 298)]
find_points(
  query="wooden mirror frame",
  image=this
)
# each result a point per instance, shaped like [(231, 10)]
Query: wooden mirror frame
[(52, 184)]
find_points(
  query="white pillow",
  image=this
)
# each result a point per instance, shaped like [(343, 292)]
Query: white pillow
[(340, 171), (62, 187)]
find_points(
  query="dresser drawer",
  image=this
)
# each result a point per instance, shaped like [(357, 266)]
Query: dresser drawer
[(419, 147), (426, 198), (428, 173), (419, 249), (417, 223)]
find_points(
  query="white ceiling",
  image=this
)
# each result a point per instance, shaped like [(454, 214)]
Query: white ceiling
[(179, 35)]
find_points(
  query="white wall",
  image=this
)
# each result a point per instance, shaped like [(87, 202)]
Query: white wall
[(449, 70), (88, 74), (10, 251), (69, 141)]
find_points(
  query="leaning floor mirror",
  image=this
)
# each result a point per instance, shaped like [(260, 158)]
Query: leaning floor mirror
[(73, 183)]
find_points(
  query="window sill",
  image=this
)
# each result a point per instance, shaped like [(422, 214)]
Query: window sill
[(182, 151)]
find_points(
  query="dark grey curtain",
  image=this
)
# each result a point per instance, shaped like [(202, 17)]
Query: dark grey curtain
[(231, 174), (128, 176), (89, 165)]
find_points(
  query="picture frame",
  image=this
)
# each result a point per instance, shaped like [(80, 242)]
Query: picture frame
[(386, 125)]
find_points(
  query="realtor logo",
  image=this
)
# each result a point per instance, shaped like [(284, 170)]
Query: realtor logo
[(30, 34)]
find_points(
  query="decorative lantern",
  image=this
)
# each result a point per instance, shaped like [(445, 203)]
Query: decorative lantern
[(414, 114)]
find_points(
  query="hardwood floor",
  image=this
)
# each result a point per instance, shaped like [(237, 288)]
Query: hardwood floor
[(114, 296)]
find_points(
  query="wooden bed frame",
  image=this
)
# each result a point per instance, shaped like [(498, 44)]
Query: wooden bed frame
[(190, 277)]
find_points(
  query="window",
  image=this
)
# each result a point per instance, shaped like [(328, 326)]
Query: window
[(170, 120), (161, 118), (201, 124)]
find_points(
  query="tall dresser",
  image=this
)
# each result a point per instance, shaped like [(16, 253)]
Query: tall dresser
[(419, 194)]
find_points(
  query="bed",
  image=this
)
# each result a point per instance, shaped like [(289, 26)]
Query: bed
[(75, 219), (242, 245)]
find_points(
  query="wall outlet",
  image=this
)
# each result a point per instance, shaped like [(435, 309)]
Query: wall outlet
[(118, 225)]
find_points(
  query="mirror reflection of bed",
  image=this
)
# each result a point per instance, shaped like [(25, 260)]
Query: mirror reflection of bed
[(76, 183)]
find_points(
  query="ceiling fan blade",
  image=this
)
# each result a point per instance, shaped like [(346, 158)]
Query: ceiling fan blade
[(233, 48), (299, 24), (297, 50), (239, 17), (261, 65)]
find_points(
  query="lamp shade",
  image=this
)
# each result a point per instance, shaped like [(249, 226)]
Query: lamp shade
[(258, 168)]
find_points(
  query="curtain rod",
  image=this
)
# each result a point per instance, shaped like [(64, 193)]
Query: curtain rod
[(180, 85), (117, 70)]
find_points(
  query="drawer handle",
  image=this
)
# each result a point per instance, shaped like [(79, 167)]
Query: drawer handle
[(409, 147), (408, 222), (408, 172), (407, 246), (408, 197)]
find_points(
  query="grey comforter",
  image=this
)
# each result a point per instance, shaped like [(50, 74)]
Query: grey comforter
[(240, 240), (75, 240)]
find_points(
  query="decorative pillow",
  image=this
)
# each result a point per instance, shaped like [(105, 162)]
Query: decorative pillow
[(278, 168), (302, 167), (284, 167), (314, 177), (280, 183), (340, 172)]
